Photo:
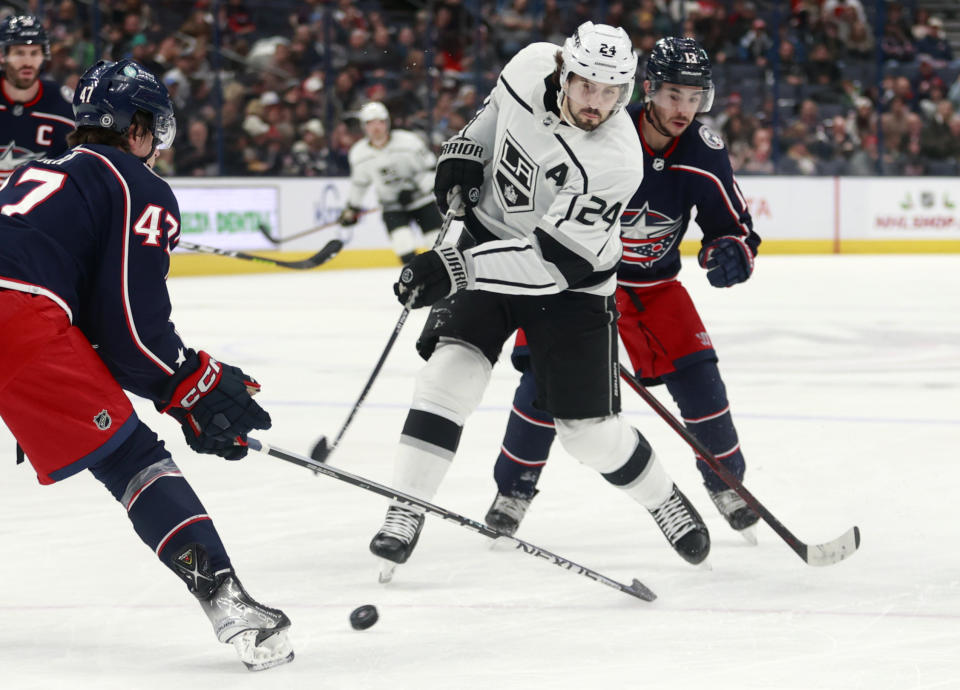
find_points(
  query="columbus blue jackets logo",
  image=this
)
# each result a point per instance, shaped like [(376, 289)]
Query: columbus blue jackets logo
[(12, 155), (647, 235), (515, 175)]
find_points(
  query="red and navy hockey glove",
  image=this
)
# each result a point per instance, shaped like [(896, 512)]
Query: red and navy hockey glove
[(728, 260), (214, 404), (431, 276), (459, 174)]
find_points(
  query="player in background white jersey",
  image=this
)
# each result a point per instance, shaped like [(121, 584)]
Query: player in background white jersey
[(400, 167), (544, 169)]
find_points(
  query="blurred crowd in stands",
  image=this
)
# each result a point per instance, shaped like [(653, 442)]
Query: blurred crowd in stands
[(818, 87)]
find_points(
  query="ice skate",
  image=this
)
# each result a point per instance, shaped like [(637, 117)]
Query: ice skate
[(506, 512), (736, 512), (682, 526), (396, 539), (257, 632)]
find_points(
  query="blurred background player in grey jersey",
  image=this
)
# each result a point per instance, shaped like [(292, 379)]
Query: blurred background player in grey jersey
[(400, 167), (686, 166)]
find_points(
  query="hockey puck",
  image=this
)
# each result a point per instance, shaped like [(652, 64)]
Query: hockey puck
[(320, 450), (364, 616)]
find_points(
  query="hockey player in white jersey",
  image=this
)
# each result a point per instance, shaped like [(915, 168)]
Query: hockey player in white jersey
[(544, 170), (400, 167)]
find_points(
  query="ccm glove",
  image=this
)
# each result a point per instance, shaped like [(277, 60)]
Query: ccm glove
[(349, 216), (405, 197), (728, 261), (459, 173), (431, 276), (214, 404)]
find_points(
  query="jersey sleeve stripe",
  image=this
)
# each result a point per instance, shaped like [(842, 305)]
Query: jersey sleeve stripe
[(566, 148), (56, 118), (499, 250), (726, 197), (125, 268), (531, 286), (515, 96)]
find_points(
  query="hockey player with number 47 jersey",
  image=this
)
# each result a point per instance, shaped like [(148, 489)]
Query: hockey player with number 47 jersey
[(85, 242), (545, 169)]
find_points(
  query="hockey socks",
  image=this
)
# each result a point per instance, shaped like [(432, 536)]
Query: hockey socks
[(701, 397), (165, 512), (526, 443)]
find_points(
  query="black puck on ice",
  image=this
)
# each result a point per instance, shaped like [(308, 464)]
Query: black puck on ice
[(320, 450), (364, 616)]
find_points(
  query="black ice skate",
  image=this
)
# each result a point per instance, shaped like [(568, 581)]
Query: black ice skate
[(257, 632), (506, 512), (682, 526), (736, 512), (396, 539)]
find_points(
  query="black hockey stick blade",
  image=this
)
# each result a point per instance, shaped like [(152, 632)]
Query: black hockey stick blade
[(635, 589), (265, 231), (826, 553), (330, 250)]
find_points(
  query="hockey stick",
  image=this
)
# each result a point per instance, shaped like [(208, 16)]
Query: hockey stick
[(330, 250), (321, 450), (265, 231), (635, 589), (827, 553)]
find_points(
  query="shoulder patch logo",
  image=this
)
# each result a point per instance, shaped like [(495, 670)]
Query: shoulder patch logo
[(710, 138)]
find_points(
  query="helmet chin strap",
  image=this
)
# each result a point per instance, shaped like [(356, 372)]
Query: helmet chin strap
[(654, 120)]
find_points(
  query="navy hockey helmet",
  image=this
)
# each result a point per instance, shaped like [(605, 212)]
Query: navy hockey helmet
[(109, 94), (676, 60), (23, 30)]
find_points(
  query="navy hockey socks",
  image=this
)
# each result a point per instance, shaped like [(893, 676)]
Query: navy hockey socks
[(701, 396), (165, 512), (526, 443)]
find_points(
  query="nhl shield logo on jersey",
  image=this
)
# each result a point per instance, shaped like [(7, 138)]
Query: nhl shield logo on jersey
[(710, 138), (103, 420), (515, 175)]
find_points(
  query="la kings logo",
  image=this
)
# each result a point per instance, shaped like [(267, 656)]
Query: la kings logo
[(515, 175)]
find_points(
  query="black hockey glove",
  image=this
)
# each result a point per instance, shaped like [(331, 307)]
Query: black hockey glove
[(349, 216), (459, 173), (431, 276), (405, 197), (728, 261), (214, 404)]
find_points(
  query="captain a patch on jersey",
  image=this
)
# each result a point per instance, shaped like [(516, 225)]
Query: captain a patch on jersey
[(515, 174)]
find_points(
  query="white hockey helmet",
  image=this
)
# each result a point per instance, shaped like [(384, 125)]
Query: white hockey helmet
[(603, 54), (374, 110)]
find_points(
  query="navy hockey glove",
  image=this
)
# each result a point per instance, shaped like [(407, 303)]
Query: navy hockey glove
[(214, 404), (349, 216), (431, 276), (728, 261), (459, 173)]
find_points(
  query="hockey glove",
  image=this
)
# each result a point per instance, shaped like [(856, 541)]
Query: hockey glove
[(213, 403), (728, 261), (459, 173), (405, 197), (349, 216), (431, 276)]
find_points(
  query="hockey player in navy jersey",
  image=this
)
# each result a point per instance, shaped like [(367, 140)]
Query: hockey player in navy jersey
[(35, 113), (544, 168), (85, 242), (685, 166)]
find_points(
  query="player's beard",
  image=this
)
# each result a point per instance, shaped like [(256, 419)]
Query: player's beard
[(583, 123), (20, 82), (656, 119)]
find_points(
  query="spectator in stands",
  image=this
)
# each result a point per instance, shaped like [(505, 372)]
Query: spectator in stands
[(197, 158), (514, 25), (823, 75), (756, 44), (759, 160), (860, 44), (791, 71), (934, 44), (895, 45)]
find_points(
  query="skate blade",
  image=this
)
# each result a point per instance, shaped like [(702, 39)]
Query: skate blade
[(273, 651), (387, 569), (705, 564), (749, 534)]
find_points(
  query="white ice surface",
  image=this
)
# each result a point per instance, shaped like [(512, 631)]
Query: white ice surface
[(844, 379)]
